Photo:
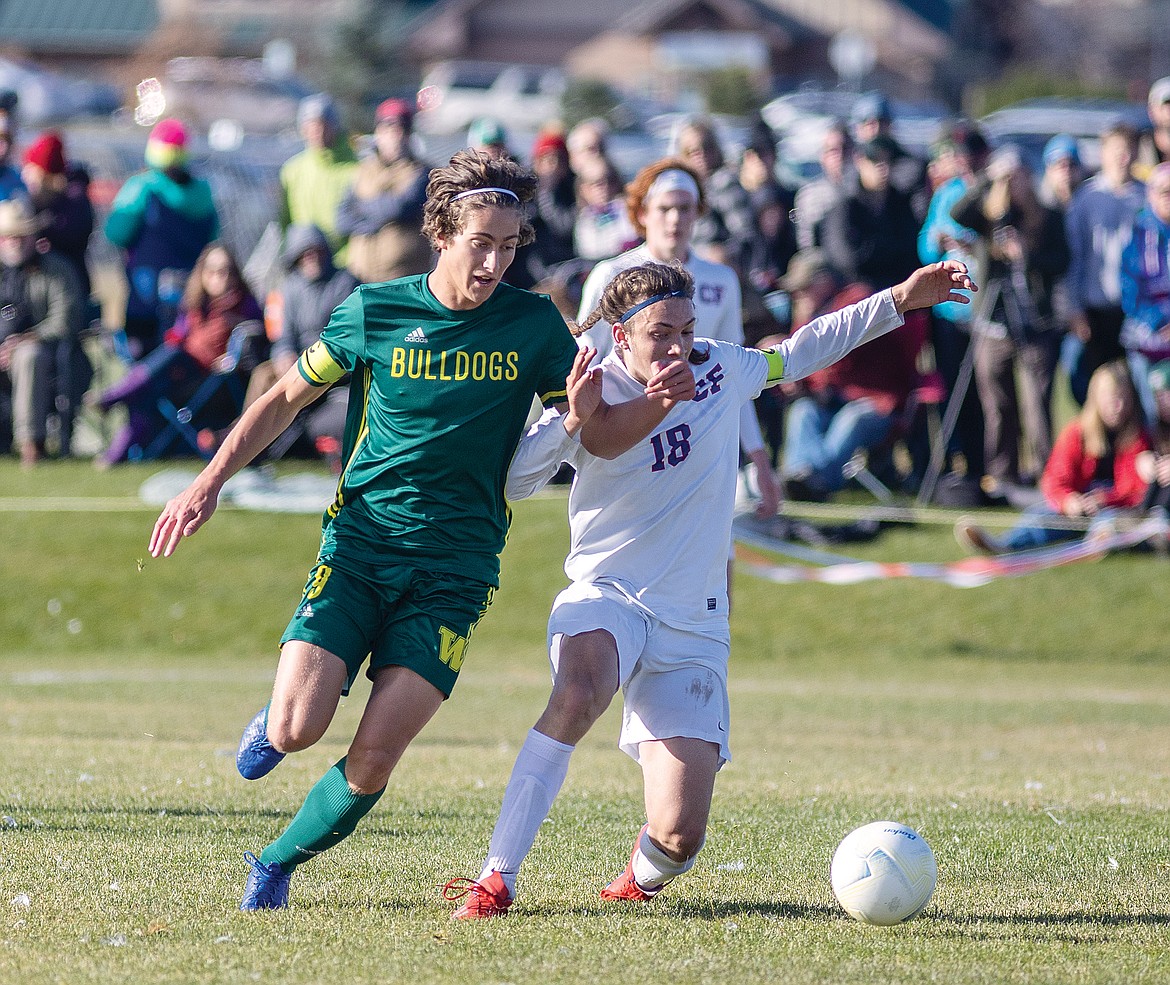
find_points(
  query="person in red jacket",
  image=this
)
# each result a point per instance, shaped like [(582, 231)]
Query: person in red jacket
[(1091, 472)]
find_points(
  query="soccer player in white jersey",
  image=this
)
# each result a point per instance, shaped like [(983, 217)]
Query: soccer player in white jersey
[(663, 201), (647, 609)]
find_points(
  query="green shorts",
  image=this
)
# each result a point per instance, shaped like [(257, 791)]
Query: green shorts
[(402, 614)]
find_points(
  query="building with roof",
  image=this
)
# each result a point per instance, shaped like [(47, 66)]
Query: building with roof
[(650, 39)]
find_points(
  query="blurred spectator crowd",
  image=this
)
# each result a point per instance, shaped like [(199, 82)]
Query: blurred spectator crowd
[(957, 407)]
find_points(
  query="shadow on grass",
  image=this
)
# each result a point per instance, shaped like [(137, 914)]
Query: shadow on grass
[(44, 820), (1058, 919), (691, 910), (715, 911), (556, 911)]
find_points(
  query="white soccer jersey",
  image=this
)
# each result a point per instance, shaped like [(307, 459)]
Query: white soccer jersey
[(656, 520)]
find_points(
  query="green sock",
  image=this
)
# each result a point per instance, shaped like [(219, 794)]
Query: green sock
[(329, 814)]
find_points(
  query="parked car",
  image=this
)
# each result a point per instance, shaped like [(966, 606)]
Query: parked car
[(1031, 123), (50, 97), (202, 90), (799, 120), (522, 97)]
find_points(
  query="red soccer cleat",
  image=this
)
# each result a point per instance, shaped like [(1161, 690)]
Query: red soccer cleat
[(624, 886), (489, 898)]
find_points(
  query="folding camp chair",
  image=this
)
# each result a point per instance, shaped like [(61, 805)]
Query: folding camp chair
[(928, 395), (917, 423), (217, 401)]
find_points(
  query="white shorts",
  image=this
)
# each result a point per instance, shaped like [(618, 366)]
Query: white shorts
[(674, 681)]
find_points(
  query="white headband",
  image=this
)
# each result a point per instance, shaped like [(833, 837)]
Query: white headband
[(484, 191), (673, 180)]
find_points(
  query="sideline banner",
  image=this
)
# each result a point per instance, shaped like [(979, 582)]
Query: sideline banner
[(972, 572), (257, 488)]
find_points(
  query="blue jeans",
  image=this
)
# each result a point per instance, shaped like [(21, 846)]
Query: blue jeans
[(1030, 532), (1071, 349), (821, 438), (1139, 372)]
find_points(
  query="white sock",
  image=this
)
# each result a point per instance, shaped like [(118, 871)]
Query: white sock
[(535, 782), (653, 868)]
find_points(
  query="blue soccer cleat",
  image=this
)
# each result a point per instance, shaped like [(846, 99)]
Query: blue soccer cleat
[(267, 885), (256, 756)]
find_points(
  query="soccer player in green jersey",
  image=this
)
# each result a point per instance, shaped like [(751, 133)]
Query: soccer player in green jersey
[(443, 368)]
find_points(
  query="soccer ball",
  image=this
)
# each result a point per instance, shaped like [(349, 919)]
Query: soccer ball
[(883, 873)]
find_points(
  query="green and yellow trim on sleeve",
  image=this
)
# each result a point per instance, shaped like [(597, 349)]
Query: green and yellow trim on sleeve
[(363, 433), (554, 397), (318, 367), (775, 366)]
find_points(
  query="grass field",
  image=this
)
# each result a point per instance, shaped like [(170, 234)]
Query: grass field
[(1022, 727)]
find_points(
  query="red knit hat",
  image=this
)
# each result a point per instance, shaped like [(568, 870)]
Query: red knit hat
[(47, 152), (548, 143), (394, 109)]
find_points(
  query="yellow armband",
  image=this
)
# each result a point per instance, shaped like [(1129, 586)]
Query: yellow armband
[(775, 366), (318, 367)]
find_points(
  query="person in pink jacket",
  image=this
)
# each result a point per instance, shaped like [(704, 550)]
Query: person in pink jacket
[(1091, 472)]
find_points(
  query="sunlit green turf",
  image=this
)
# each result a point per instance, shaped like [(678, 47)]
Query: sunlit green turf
[(1022, 727)]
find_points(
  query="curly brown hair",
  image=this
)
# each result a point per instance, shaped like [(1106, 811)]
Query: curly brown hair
[(470, 169), (636, 190)]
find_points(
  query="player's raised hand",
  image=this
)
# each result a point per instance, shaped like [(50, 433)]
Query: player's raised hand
[(583, 388), (181, 517), (672, 381), (934, 284)]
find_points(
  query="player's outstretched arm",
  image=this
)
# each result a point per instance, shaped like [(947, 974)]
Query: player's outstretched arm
[(933, 284), (261, 424), (828, 337), (613, 430)]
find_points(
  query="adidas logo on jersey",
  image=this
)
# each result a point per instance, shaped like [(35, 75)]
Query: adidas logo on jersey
[(418, 335)]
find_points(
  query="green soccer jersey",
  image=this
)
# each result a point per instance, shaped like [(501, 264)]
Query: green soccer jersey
[(438, 401)]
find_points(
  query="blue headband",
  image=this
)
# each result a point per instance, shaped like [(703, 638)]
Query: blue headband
[(649, 301)]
